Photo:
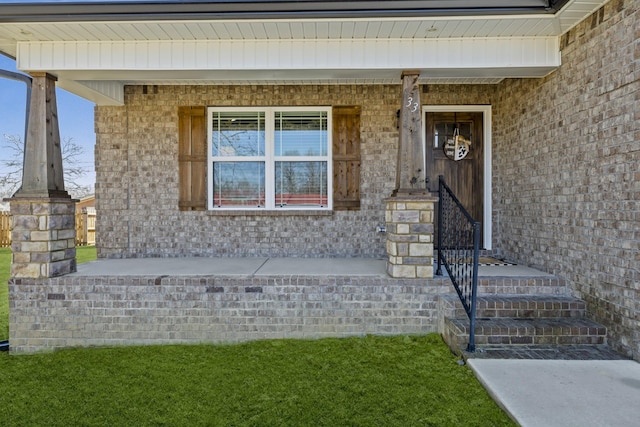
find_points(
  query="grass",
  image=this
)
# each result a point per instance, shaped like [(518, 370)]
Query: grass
[(369, 381), (83, 254)]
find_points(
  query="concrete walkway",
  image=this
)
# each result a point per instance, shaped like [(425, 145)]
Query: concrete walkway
[(564, 393)]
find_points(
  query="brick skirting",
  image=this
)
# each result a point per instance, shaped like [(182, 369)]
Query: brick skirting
[(76, 310), (87, 311)]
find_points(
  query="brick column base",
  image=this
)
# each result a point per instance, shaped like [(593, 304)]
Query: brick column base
[(410, 236), (42, 237)]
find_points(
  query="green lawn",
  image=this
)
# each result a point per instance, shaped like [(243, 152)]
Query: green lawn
[(83, 254), (369, 381)]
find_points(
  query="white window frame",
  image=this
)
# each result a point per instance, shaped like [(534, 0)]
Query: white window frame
[(270, 158)]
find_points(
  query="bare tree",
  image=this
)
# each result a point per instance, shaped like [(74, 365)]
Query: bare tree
[(13, 155)]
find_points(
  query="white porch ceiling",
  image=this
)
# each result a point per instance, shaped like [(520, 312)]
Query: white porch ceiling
[(447, 49)]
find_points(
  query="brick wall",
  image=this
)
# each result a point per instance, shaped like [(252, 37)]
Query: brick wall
[(79, 310), (137, 175), (566, 169), (93, 311)]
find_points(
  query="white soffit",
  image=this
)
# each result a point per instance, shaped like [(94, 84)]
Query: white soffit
[(486, 26), (95, 59), (101, 92)]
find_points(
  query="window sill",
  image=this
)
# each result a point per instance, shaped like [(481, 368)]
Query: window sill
[(283, 212)]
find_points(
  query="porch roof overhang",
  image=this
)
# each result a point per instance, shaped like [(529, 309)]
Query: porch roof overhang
[(95, 49)]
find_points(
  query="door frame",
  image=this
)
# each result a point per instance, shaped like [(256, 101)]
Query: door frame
[(487, 225)]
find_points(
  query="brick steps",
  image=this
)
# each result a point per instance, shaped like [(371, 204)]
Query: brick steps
[(530, 307), (536, 331), (548, 285), (519, 321)]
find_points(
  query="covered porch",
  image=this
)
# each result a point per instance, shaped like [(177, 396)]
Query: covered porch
[(144, 88)]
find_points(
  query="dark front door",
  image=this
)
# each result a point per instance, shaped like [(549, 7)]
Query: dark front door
[(463, 175)]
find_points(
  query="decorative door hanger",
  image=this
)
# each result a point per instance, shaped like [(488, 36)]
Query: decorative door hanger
[(457, 147)]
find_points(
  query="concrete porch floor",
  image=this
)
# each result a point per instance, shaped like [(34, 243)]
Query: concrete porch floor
[(262, 266)]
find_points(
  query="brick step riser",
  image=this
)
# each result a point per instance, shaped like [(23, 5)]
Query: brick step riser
[(532, 331), (520, 308), (522, 286), (461, 341), (501, 289), (525, 328), (528, 313), (525, 335)]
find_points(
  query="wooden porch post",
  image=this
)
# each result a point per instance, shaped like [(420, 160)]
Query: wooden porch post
[(42, 212), (409, 211), (42, 174), (410, 173)]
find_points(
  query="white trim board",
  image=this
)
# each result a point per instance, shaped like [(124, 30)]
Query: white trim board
[(191, 55)]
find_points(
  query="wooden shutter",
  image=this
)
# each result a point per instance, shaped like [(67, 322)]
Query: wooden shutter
[(192, 158), (346, 158)]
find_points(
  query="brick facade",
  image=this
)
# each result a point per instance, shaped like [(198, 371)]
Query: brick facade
[(566, 171), (137, 175)]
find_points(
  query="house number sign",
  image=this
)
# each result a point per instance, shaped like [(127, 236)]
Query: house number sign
[(411, 105)]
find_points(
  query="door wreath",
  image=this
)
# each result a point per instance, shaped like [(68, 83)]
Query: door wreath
[(457, 147)]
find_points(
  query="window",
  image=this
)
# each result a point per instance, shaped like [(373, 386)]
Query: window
[(236, 148), (270, 158)]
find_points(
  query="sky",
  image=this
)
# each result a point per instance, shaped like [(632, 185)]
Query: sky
[(75, 116)]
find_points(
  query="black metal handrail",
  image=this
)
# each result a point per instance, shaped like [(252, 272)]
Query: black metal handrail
[(458, 251)]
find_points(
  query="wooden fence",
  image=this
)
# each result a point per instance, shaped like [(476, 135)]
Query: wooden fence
[(5, 229), (85, 228)]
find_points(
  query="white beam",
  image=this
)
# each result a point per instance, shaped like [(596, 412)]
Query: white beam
[(352, 54)]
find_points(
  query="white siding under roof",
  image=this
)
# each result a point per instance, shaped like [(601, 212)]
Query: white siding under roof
[(359, 54)]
